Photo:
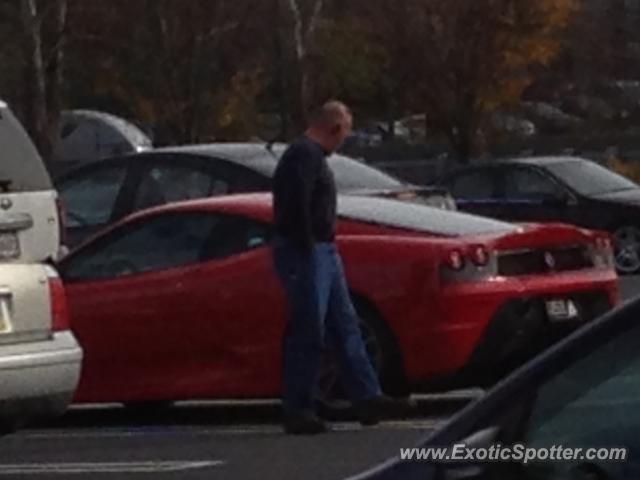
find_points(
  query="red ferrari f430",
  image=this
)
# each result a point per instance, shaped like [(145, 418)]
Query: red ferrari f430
[(182, 302)]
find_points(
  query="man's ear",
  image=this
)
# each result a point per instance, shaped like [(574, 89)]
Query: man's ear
[(336, 129)]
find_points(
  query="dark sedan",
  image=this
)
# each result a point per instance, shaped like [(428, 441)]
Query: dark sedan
[(554, 189), (577, 405), (98, 194)]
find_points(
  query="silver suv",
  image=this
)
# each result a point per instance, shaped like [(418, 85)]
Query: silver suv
[(40, 359)]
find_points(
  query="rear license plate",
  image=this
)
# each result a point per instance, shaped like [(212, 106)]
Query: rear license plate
[(561, 310), (5, 314), (9, 246)]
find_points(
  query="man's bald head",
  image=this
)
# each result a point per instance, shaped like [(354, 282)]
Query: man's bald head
[(330, 114), (331, 124)]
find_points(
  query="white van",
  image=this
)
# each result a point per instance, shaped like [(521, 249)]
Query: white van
[(40, 359)]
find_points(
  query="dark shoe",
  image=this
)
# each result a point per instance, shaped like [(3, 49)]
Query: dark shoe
[(371, 411), (304, 424)]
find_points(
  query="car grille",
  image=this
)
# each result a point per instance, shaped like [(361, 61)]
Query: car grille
[(531, 262)]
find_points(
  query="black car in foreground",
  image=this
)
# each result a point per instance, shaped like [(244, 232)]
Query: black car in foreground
[(583, 393), (554, 189), (99, 193)]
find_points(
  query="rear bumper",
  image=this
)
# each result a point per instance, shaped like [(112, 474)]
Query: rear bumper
[(486, 323), (521, 329), (38, 379)]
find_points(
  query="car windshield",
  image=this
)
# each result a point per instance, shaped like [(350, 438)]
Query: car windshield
[(419, 218), (589, 178)]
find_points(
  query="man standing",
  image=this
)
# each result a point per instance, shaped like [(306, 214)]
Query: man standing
[(311, 271)]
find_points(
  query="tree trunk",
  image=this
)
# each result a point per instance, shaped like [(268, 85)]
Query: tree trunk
[(55, 73), (36, 118), (301, 30), (281, 76)]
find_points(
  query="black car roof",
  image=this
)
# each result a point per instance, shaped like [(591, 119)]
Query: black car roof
[(254, 155), (260, 158), (500, 162), (537, 161), (540, 161)]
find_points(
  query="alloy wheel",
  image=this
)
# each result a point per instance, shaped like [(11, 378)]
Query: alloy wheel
[(627, 249)]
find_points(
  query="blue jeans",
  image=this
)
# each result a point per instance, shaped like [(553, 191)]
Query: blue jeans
[(320, 312)]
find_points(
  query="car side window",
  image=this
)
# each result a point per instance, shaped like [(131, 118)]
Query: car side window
[(474, 185), (233, 235), (158, 243), (529, 184), (165, 183), (593, 404), (164, 242), (246, 180), (590, 405), (89, 200)]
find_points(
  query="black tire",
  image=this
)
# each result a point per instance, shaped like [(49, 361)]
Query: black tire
[(385, 355)]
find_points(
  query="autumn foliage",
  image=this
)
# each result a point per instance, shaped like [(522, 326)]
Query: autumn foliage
[(202, 70)]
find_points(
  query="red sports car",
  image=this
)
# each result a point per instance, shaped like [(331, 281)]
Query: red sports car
[(181, 302)]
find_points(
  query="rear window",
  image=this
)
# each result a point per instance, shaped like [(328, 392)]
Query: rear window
[(353, 175), (21, 168), (589, 178), (420, 218), (349, 174)]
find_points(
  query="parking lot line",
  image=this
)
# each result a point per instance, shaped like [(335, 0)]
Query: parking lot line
[(105, 467), (426, 424)]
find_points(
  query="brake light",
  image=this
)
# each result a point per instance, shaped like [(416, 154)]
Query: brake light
[(58, 298), (603, 254), (455, 260), (479, 255), (468, 264), (604, 243)]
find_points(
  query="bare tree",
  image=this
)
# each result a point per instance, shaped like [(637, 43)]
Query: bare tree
[(183, 74), (300, 19), (34, 76), (38, 28)]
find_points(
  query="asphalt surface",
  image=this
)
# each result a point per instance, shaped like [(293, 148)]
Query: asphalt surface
[(215, 440), (232, 440)]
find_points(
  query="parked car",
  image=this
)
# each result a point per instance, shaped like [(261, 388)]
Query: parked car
[(181, 301), (39, 356), (581, 393), (100, 193), (555, 189)]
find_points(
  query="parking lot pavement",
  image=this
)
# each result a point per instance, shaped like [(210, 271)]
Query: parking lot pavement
[(209, 440), (260, 453)]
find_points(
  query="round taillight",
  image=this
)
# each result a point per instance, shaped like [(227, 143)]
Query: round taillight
[(479, 256), (604, 243), (455, 260)]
